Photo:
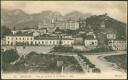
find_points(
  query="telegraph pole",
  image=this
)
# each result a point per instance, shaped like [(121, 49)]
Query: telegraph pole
[(62, 69)]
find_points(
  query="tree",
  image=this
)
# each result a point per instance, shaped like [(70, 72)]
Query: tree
[(9, 56), (19, 33), (5, 31)]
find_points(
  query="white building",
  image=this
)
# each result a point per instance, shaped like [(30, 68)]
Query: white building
[(14, 40), (91, 33), (117, 44), (36, 33), (14, 32), (78, 40), (67, 41), (30, 40), (111, 36), (3, 41), (90, 42), (72, 25), (52, 41)]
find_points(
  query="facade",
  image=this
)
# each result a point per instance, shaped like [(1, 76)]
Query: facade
[(91, 33), (15, 40), (3, 41), (117, 44), (78, 40), (30, 40), (111, 36), (14, 32), (63, 25), (52, 41), (60, 24), (36, 33), (72, 25), (90, 42), (82, 24)]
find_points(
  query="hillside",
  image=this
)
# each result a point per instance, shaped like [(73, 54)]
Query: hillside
[(103, 24)]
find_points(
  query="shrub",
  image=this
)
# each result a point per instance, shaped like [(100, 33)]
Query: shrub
[(9, 56), (97, 70)]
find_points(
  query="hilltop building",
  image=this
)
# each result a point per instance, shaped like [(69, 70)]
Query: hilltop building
[(64, 25), (111, 36), (72, 25)]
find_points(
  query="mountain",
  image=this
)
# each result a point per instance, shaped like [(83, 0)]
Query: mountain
[(19, 19), (75, 15), (13, 17)]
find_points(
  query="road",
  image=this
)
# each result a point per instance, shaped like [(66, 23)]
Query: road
[(104, 65), (81, 63), (96, 59), (99, 61)]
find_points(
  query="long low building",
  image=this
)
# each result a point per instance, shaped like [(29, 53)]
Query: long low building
[(90, 42), (30, 40), (117, 44)]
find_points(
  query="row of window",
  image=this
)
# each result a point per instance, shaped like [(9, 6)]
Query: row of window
[(87, 42), (20, 38), (42, 42), (46, 42), (119, 48), (51, 42)]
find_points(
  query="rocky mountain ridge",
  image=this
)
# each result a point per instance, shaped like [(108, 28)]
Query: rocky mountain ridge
[(19, 19)]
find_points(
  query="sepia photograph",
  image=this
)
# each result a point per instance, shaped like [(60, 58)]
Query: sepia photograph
[(63, 39)]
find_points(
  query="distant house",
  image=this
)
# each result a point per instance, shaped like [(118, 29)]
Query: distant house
[(72, 25), (43, 30), (36, 33), (78, 40), (14, 32), (111, 36), (91, 34), (117, 44), (18, 40), (60, 24), (66, 36), (90, 42), (3, 41)]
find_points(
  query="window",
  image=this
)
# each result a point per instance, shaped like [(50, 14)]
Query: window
[(23, 38), (8, 42), (8, 37), (50, 42), (53, 42), (42, 42), (46, 42), (16, 38), (35, 42), (19, 38)]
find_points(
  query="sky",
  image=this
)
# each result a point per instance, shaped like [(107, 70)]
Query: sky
[(115, 9)]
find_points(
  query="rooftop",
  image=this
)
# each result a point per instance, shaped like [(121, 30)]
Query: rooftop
[(51, 38)]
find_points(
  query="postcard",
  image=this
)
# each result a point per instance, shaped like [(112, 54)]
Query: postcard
[(64, 39)]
